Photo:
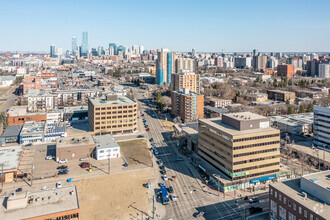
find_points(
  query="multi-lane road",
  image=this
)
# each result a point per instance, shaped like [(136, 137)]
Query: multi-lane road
[(192, 194)]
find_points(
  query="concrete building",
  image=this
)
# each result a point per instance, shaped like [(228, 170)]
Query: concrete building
[(259, 62), (283, 96), (81, 146), (187, 105), (10, 158), (286, 70), (54, 131), (304, 198), (186, 80), (106, 147), (322, 126), (324, 70), (243, 62), (32, 132), (298, 124), (185, 64), (112, 115), (50, 203), (165, 66), (242, 146)]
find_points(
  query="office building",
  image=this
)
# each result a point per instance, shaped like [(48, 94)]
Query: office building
[(189, 106), (112, 114), (74, 45), (193, 52), (84, 44), (185, 64), (32, 132), (186, 80), (52, 51), (259, 62), (112, 49), (135, 50), (279, 95), (165, 66), (303, 198), (141, 49), (321, 126), (324, 70), (255, 52), (242, 146), (286, 70), (312, 67), (294, 61), (242, 62)]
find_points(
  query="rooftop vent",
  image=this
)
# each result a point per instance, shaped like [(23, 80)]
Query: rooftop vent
[(112, 97), (313, 180)]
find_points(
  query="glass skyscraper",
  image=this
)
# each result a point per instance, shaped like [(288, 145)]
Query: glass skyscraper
[(84, 44), (114, 46), (74, 45), (52, 51)]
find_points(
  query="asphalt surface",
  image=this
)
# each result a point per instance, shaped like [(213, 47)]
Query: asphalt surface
[(190, 193)]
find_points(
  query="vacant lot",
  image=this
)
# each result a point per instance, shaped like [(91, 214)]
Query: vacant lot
[(135, 152), (168, 125), (117, 196)]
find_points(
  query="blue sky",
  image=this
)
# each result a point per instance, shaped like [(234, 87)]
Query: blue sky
[(207, 25)]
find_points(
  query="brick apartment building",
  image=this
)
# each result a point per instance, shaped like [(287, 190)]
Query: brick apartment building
[(286, 70), (279, 95)]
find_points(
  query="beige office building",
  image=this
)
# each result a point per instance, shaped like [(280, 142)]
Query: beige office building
[(186, 79), (185, 64), (112, 115), (241, 145)]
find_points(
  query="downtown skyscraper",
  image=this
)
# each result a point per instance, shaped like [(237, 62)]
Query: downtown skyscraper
[(52, 51), (74, 45), (84, 44), (165, 66)]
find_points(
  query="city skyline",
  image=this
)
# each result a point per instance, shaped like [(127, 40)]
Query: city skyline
[(226, 26)]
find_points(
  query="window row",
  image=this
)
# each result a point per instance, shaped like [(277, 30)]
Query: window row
[(256, 152), (256, 137), (256, 145), (256, 167)]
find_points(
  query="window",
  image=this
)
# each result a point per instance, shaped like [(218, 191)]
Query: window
[(305, 213), (299, 210), (284, 199), (271, 191), (275, 194), (311, 217), (294, 206), (280, 197), (289, 203)]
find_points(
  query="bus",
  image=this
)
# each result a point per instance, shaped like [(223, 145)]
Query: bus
[(165, 198)]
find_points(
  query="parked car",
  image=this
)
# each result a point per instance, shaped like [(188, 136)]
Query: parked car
[(63, 161), (255, 210), (165, 178), (148, 129), (29, 144), (198, 214), (162, 167), (161, 184), (19, 190), (142, 114), (62, 167), (254, 200), (85, 165), (140, 136), (64, 171), (173, 197), (58, 185), (163, 171), (170, 189), (160, 161), (151, 139), (156, 152), (49, 157)]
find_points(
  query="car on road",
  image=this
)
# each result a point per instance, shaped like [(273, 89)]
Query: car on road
[(63, 161), (165, 178), (170, 189), (85, 165), (62, 167), (174, 197), (58, 185), (199, 214), (148, 129), (140, 136), (49, 157), (255, 210), (64, 171), (254, 200)]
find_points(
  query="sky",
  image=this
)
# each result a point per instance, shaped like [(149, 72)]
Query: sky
[(180, 25)]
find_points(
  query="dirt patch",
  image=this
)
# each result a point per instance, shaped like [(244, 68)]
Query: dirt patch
[(168, 125), (135, 152), (118, 196)]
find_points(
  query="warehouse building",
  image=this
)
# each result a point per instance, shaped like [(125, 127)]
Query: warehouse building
[(298, 124)]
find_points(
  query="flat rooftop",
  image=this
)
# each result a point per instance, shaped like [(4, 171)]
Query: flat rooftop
[(33, 127), (245, 116), (322, 178), (74, 141), (121, 100), (218, 124), (75, 109), (10, 157), (105, 141), (49, 201), (292, 189)]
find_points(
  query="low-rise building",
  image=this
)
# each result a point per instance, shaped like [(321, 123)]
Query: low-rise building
[(76, 147), (11, 134), (304, 198), (106, 147), (212, 112), (32, 132), (75, 113), (18, 115), (279, 95), (7, 81), (218, 103), (298, 124), (54, 131), (52, 203), (10, 158)]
